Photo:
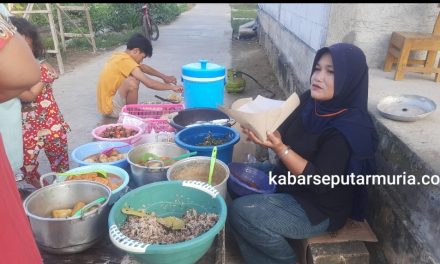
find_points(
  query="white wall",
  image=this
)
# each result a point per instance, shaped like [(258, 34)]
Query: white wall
[(369, 26), (297, 31), (308, 22)]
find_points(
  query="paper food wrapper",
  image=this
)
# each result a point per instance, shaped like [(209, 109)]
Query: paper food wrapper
[(261, 114)]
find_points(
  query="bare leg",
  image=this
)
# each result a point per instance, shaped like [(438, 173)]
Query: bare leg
[(129, 90)]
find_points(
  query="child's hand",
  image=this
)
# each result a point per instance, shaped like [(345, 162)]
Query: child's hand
[(170, 79), (177, 88)]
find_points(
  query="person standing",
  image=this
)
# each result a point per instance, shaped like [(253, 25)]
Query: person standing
[(44, 127), (16, 239)]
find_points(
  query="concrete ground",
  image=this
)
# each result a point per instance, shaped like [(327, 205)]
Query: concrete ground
[(422, 136), (205, 32)]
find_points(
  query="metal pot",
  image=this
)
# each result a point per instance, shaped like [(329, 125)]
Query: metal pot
[(147, 174), (200, 116), (73, 234), (197, 169)]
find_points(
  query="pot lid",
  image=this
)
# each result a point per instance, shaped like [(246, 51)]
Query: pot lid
[(203, 69)]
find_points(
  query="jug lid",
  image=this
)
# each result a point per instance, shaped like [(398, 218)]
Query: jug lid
[(203, 69)]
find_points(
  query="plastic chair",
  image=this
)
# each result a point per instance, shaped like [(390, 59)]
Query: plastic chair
[(401, 45)]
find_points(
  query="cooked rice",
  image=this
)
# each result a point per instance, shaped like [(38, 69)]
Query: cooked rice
[(146, 229)]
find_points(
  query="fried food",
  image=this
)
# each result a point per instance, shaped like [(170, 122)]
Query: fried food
[(114, 155), (118, 131), (61, 213), (175, 97), (77, 206), (113, 181)]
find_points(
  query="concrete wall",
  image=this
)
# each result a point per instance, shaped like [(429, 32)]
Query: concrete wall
[(369, 26), (292, 33), (404, 217)]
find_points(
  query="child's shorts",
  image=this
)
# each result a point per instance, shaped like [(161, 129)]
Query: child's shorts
[(118, 103)]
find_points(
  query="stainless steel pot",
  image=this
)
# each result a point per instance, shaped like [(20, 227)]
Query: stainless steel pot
[(147, 174), (197, 169), (73, 234)]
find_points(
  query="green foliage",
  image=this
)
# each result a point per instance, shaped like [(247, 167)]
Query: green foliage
[(164, 13), (244, 6), (113, 24), (104, 41), (115, 17), (118, 17), (99, 14), (241, 14), (183, 7), (236, 23), (47, 42), (244, 13)]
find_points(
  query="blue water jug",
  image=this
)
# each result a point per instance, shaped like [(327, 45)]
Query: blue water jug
[(204, 84)]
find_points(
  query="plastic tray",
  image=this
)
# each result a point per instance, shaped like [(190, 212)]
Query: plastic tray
[(151, 111)]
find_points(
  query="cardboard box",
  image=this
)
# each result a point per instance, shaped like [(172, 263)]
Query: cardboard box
[(351, 231)]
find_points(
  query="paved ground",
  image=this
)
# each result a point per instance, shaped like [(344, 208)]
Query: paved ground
[(204, 32)]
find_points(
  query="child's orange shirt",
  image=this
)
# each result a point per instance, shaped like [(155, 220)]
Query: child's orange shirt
[(116, 70)]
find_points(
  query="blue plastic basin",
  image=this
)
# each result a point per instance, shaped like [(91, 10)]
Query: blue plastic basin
[(189, 137), (116, 193), (244, 178), (88, 149)]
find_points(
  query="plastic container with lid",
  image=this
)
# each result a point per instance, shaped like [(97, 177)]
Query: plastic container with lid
[(204, 84)]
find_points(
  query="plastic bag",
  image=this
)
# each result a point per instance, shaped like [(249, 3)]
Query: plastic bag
[(127, 119)]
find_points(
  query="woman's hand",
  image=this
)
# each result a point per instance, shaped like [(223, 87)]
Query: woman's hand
[(273, 141)]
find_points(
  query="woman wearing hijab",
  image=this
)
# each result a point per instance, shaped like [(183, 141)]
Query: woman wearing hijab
[(330, 133)]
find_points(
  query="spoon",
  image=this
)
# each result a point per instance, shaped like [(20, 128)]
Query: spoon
[(167, 100), (211, 166), (149, 156), (186, 155), (100, 173), (109, 150), (95, 202)]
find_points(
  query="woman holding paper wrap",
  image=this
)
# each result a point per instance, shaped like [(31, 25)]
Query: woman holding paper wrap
[(330, 133)]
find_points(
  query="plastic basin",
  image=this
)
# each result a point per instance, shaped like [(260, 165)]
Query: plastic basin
[(192, 115), (189, 137), (80, 153), (130, 140), (165, 199), (245, 180), (116, 193)]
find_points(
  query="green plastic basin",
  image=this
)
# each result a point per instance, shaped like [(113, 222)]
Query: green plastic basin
[(169, 198)]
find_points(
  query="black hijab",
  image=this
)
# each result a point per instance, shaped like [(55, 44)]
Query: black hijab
[(351, 93)]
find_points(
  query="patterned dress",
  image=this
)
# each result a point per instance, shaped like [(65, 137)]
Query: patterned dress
[(44, 128)]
